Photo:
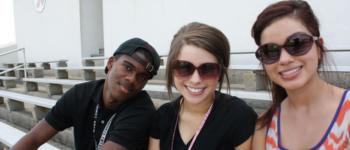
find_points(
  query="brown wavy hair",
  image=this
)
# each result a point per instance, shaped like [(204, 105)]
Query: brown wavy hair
[(299, 10), (203, 36)]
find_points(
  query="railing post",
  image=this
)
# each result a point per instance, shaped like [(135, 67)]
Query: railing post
[(25, 63)]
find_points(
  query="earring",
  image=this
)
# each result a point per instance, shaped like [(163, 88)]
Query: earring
[(321, 41)]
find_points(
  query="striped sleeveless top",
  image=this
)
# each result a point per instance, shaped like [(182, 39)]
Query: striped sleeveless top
[(337, 136)]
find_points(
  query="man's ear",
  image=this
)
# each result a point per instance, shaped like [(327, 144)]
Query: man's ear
[(110, 63)]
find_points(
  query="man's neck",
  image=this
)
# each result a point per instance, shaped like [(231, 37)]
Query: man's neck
[(108, 101), (110, 105)]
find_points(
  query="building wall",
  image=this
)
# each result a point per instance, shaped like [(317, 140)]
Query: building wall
[(51, 35), (9, 58), (157, 21), (91, 20), (72, 29)]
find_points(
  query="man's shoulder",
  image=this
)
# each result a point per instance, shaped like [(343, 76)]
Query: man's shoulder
[(83, 91), (141, 100), (91, 85), (141, 97)]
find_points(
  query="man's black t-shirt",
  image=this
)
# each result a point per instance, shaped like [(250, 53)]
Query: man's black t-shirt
[(130, 127), (230, 123)]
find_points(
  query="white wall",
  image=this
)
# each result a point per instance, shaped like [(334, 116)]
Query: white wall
[(9, 58), (91, 20), (51, 35), (157, 21), (7, 28), (7, 32), (71, 29)]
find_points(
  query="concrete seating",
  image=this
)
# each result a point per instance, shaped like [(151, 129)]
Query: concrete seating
[(92, 61), (43, 64), (2, 69), (10, 70), (35, 72), (54, 85), (250, 76), (25, 111), (8, 82), (89, 72), (32, 68), (259, 100), (15, 102), (59, 63), (10, 135), (252, 95)]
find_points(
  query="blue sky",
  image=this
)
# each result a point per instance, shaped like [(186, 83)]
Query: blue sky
[(7, 24)]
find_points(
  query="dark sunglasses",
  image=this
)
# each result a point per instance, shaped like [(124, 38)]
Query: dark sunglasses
[(205, 70), (296, 45)]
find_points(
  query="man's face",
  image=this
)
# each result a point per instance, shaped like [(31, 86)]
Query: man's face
[(125, 77)]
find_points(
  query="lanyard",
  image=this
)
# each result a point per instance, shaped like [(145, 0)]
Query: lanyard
[(198, 130), (105, 130)]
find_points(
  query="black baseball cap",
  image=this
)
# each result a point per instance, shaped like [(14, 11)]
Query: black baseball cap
[(130, 46)]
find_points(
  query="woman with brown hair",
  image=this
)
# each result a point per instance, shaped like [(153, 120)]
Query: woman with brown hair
[(201, 118), (306, 112)]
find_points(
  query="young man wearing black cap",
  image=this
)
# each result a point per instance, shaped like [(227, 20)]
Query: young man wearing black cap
[(113, 113)]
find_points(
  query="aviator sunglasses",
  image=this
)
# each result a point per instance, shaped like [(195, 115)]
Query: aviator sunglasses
[(206, 70), (296, 45)]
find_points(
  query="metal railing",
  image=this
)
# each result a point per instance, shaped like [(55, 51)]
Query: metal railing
[(327, 51), (256, 67), (18, 66)]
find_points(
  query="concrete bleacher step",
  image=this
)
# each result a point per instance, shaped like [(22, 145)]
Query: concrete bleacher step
[(153, 85), (240, 79), (258, 100), (84, 72), (55, 86), (163, 82), (159, 102), (157, 90), (253, 95), (41, 92), (38, 101), (94, 61), (26, 110), (8, 82), (16, 102), (54, 81), (10, 135)]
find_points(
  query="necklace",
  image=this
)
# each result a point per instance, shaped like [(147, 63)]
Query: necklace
[(198, 130)]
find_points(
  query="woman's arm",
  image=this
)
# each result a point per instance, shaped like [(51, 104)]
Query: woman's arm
[(259, 138), (153, 144), (245, 145)]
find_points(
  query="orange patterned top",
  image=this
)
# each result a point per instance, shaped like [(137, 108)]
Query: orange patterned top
[(336, 137)]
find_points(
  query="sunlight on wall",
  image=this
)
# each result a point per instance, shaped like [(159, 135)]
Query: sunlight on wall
[(7, 24)]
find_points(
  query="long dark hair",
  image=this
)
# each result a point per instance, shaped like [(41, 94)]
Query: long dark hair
[(299, 10), (203, 36)]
